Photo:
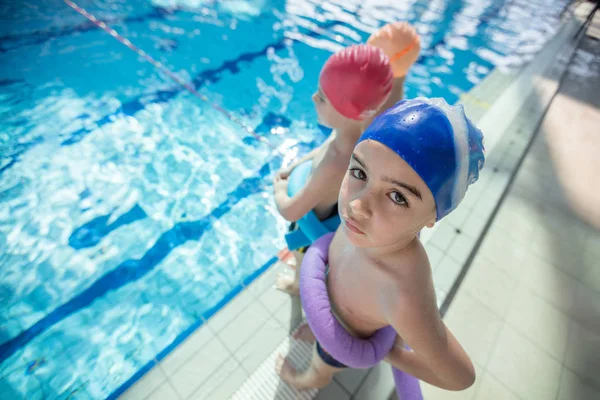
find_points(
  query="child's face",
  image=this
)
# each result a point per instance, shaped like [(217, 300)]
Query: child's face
[(382, 200), (327, 115)]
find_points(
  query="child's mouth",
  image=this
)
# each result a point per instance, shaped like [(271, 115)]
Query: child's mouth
[(350, 225)]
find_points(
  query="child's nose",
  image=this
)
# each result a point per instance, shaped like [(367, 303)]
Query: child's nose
[(360, 207), (314, 96)]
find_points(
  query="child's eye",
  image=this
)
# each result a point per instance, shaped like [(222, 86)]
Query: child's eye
[(358, 173), (398, 199)]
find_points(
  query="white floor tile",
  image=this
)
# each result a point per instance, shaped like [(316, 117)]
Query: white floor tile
[(500, 179), (243, 326), (434, 254), (145, 386), (587, 307), (290, 313), (591, 275), (528, 371), (573, 387), (222, 383), (239, 303), (490, 285), (458, 216), (258, 347), (543, 324), (267, 279), (474, 225), (491, 389), (511, 158), (333, 391), (446, 273), (487, 203), (472, 196), (461, 248), (444, 236), (592, 242), (554, 286), (563, 223), (475, 327), (350, 379), (526, 192), (199, 367), (519, 227), (506, 254), (378, 385), (583, 353), (521, 208), (561, 251), (186, 349), (272, 298), (164, 392)]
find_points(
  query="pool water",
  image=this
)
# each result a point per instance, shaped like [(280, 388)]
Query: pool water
[(131, 211)]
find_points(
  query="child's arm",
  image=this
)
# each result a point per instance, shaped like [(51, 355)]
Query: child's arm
[(294, 208), (436, 357), (285, 172)]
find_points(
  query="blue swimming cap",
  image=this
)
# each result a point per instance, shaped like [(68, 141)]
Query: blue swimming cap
[(438, 141)]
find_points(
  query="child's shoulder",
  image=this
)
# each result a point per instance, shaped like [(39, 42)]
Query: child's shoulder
[(412, 267)]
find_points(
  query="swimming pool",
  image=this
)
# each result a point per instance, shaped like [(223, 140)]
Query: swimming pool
[(130, 211)]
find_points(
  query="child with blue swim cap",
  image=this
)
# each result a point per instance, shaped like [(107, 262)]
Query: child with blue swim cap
[(355, 84), (409, 169)]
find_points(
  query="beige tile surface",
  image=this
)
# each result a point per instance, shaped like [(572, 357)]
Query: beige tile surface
[(351, 378), (574, 387), (194, 343), (244, 326), (199, 368), (333, 391), (490, 285), (146, 385), (377, 384), (222, 383), (252, 353), (475, 326), (540, 322), (491, 389), (549, 283), (518, 364), (163, 392), (583, 353)]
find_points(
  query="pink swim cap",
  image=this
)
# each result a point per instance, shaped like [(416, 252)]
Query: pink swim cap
[(357, 80)]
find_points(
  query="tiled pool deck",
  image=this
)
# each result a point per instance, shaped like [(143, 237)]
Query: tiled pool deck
[(530, 293)]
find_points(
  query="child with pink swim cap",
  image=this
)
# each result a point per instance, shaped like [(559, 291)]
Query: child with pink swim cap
[(355, 85)]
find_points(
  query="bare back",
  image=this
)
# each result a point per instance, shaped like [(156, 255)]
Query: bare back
[(361, 288)]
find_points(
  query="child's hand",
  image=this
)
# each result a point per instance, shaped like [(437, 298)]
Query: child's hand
[(282, 200), (280, 184), (401, 43), (284, 173)]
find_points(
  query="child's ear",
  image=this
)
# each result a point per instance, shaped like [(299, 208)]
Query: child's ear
[(431, 222)]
